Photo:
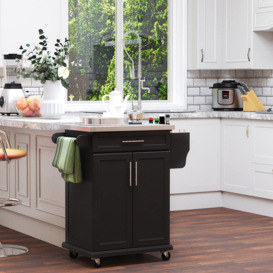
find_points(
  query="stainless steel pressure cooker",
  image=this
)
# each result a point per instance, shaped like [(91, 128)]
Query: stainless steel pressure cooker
[(226, 96)]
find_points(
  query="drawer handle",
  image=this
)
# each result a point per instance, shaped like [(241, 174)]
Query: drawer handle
[(136, 173), (133, 141), (130, 174)]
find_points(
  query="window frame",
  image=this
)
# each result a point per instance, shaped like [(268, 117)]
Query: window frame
[(177, 63)]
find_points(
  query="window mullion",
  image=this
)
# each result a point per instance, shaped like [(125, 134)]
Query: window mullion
[(119, 45)]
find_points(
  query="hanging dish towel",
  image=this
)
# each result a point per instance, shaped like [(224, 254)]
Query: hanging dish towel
[(67, 159)]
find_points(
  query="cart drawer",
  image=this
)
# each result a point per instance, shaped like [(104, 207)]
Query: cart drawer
[(131, 141)]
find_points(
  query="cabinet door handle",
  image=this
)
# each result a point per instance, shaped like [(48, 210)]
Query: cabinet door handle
[(130, 174), (136, 173), (247, 131), (202, 55), (248, 54), (133, 141)]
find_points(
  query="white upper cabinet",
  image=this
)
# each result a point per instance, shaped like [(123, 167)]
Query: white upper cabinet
[(220, 36), (263, 15), (20, 21), (237, 34)]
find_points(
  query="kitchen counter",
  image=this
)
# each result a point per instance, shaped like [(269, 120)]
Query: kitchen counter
[(70, 119)]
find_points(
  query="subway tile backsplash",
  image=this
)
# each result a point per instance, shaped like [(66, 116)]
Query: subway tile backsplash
[(199, 81)]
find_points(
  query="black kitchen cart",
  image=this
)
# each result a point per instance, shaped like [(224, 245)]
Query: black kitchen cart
[(122, 205)]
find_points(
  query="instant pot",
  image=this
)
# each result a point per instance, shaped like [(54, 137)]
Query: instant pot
[(226, 96)]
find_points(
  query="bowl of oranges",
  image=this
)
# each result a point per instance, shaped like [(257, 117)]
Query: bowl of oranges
[(28, 107)]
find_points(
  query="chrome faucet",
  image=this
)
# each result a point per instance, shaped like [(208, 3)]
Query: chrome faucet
[(139, 76)]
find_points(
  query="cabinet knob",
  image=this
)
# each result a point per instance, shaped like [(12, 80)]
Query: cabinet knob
[(247, 135), (202, 55), (248, 54)]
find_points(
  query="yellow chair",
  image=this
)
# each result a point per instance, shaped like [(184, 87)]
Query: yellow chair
[(7, 154)]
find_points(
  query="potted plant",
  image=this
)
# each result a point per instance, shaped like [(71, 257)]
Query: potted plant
[(51, 70)]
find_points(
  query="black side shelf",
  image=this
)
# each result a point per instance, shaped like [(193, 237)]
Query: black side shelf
[(180, 146)]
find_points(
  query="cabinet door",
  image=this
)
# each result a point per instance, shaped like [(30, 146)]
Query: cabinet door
[(151, 198), (236, 145), (112, 201), (209, 27), (263, 15), (20, 21), (237, 29)]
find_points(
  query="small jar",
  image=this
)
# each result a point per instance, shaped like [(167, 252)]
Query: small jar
[(151, 120), (156, 120), (161, 119), (167, 119)]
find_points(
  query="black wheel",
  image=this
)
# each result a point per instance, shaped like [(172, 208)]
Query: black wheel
[(96, 262), (73, 254), (166, 255)]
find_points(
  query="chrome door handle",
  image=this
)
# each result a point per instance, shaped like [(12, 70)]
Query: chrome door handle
[(130, 174), (248, 54), (202, 55), (133, 141), (136, 173)]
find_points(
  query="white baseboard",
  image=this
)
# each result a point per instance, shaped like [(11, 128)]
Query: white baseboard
[(41, 230), (56, 235), (248, 203), (200, 200)]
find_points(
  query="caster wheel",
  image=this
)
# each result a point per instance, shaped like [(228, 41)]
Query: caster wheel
[(96, 262), (73, 254), (166, 255)]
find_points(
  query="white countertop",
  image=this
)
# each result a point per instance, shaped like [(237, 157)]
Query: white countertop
[(76, 118)]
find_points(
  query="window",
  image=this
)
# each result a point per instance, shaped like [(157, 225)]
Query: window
[(107, 37)]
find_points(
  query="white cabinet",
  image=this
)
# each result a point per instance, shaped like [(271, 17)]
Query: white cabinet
[(4, 181), (262, 160), (204, 34), (263, 15), (237, 34), (220, 36), (202, 173), (236, 153), (33, 179), (247, 157), (20, 21)]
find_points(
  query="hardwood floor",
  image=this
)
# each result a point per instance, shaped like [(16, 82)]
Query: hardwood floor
[(209, 240)]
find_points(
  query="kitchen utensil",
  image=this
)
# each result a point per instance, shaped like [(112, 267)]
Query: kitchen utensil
[(116, 106), (12, 89), (226, 96)]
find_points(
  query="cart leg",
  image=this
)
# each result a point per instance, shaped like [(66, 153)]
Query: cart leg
[(73, 254), (165, 255), (96, 262)]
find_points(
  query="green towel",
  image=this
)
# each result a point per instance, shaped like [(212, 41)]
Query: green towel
[(67, 159)]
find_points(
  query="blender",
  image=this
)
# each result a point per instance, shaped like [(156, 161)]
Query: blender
[(12, 88)]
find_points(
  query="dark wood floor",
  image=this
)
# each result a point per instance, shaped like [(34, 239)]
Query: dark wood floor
[(209, 240)]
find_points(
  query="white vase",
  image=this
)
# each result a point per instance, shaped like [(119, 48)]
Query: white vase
[(54, 98)]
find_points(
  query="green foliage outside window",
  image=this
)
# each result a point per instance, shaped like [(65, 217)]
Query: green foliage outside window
[(92, 38)]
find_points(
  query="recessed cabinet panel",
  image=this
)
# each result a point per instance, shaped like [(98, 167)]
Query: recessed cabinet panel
[(265, 3), (236, 151), (263, 144), (151, 199), (237, 31), (4, 184), (112, 201), (22, 173), (208, 37), (262, 181), (50, 187)]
